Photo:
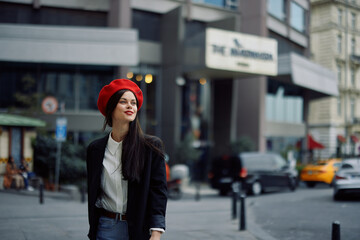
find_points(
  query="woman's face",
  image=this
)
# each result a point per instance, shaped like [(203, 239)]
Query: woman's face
[(126, 109)]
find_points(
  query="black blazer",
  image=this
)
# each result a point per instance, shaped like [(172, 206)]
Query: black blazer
[(146, 205)]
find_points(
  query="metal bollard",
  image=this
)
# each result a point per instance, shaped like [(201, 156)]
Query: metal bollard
[(234, 203), (83, 192), (197, 194), (335, 235), (41, 193), (242, 223)]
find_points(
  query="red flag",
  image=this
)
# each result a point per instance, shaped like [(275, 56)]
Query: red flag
[(312, 144)]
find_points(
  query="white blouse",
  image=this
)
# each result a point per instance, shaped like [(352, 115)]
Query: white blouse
[(115, 188)]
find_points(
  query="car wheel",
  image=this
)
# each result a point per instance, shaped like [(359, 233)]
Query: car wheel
[(256, 188), (332, 183), (223, 192), (310, 184), (336, 197)]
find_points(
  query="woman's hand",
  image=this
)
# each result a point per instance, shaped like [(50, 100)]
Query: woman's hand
[(155, 235)]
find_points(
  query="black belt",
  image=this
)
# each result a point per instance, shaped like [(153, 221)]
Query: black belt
[(105, 213)]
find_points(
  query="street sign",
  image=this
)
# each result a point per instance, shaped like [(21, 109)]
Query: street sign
[(49, 105), (61, 128)]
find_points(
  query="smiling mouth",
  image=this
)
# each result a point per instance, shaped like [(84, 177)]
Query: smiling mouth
[(129, 113)]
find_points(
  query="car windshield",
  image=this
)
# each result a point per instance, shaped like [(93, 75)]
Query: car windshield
[(350, 164), (320, 163), (263, 162)]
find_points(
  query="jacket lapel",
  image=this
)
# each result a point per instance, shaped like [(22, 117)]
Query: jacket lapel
[(98, 160)]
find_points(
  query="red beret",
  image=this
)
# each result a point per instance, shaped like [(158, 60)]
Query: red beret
[(118, 84)]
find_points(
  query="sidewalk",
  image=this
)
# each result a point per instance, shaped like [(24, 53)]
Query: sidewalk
[(23, 217)]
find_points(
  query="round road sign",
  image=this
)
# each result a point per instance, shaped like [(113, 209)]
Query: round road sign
[(49, 105)]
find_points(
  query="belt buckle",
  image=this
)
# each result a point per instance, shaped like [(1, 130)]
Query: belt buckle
[(121, 217)]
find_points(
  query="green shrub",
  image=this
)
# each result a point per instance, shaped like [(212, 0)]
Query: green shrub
[(72, 163)]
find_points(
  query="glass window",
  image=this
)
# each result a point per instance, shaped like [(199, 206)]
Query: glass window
[(283, 108), (147, 78), (277, 8), (353, 46), (76, 86), (352, 108), (339, 73), (279, 161), (340, 16), (229, 4), (284, 46), (353, 20), (148, 24), (339, 43), (21, 13), (193, 28), (339, 106), (297, 17), (219, 3), (89, 88), (59, 85), (254, 163), (352, 74)]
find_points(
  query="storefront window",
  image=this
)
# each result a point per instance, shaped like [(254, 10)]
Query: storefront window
[(277, 8), (89, 88), (77, 87), (281, 108), (147, 78), (297, 17), (196, 109), (18, 85)]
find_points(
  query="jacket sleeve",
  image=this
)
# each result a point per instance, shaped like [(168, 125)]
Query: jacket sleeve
[(157, 192)]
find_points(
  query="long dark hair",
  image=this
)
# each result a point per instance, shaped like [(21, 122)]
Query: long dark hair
[(134, 143)]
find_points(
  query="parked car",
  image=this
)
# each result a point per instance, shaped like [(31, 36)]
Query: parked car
[(321, 171), (347, 178), (258, 172)]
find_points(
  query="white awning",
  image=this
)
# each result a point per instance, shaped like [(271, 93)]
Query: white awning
[(68, 45), (308, 74)]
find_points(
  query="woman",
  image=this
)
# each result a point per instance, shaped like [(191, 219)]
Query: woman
[(12, 174), (126, 171)]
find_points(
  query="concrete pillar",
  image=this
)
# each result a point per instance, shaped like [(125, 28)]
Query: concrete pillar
[(172, 36), (119, 16), (250, 111)]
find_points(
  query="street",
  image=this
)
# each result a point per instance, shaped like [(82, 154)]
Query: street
[(303, 214)]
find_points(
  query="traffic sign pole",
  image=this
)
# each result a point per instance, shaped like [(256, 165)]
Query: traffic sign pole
[(57, 167), (61, 127)]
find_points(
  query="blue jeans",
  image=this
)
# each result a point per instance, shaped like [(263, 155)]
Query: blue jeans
[(112, 229)]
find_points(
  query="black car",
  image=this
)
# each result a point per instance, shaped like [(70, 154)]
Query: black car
[(258, 172)]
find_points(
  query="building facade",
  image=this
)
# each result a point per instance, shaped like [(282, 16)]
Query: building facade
[(171, 48), (335, 36)]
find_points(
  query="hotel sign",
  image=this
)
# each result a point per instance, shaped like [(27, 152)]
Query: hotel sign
[(238, 52)]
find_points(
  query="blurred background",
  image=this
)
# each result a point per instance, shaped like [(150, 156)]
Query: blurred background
[(218, 77)]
